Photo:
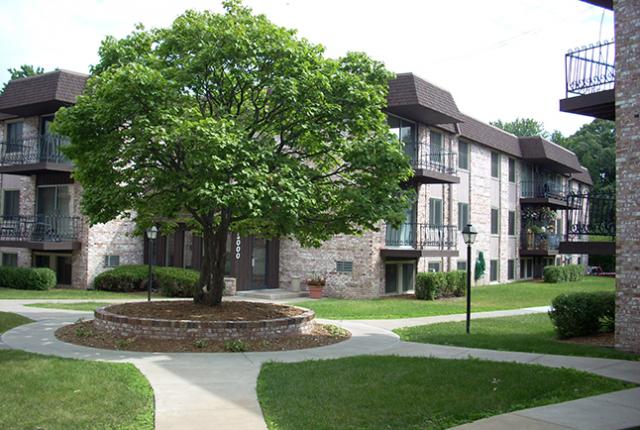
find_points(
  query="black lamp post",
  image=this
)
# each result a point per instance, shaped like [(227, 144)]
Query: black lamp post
[(152, 234), (469, 234)]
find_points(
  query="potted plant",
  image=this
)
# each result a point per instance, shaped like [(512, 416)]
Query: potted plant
[(315, 284)]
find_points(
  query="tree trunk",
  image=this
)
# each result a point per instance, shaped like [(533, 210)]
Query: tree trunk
[(211, 284)]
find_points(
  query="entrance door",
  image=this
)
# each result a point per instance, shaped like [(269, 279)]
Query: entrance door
[(63, 269), (399, 277), (259, 260)]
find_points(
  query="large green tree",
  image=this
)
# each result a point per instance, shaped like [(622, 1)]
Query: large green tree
[(228, 122), (522, 127), (22, 72)]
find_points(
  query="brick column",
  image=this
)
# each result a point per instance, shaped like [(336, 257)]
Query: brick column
[(627, 23)]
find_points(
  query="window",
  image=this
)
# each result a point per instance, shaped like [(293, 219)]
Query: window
[(579, 260), (462, 265), (433, 267), (512, 170), (435, 211), (344, 266), (495, 164), (530, 268), (111, 260), (495, 219), (9, 259), (435, 148), (493, 270), (405, 131), (463, 215), (511, 269), (187, 251), (169, 254), (512, 223), (559, 225), (14, 137), (10, 204), (463, 154)]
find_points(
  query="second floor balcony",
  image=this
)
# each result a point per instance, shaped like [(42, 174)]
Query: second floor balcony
[(421, 240), (539, 244), (41, 232), (590, 80), (435, 167), (544, 193), (31, 155)]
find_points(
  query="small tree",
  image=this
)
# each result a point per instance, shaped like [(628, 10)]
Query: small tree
[(227, 122), (480, 266), (22, 72)]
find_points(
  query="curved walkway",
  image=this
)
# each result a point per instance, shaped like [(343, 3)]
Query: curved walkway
[(218, 390)]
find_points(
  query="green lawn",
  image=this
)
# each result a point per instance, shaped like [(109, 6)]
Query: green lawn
[(78, 306), (50, 393), (10, 320), (485, 298), (411, 393), (61, 293), (527, 333)]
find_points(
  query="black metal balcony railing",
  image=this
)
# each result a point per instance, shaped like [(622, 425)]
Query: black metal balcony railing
[(423, 236), (590, 69), (539, 241), (592, 214), (40, 228), (39, 149), (542, 190), (441, 162)]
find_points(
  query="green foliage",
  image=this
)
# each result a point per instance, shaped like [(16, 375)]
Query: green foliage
[(27, 278), (200, 343), (522, 127), (334, 331), (481, 266), (582, 314), (236, 345), (229, 122), (24, 71), (567, 273), (172, 281), (437, 285)]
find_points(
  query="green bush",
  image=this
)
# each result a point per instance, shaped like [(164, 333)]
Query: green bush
[(582, 314), (172, 281), (480, 266), (436, 285), (27, 278), (568, 273)]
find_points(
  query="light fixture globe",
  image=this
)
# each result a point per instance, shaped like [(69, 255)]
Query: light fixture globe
[(469, 234), (152, 232)]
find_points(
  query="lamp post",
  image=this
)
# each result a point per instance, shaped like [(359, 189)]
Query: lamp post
[(469, 235), (152, 234)]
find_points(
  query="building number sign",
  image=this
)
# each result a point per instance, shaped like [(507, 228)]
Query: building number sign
[(238, 244)]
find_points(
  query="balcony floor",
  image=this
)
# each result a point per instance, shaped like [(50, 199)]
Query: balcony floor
[(41, 246), (428, 176), (597, 105), (34, 168)]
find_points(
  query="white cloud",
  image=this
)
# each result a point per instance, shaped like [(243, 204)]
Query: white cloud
[(500, 59)]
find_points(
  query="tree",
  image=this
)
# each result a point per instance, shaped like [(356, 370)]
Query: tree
[(595, 146), (480, 266), (227, 122), (522, 127), (24, 71)]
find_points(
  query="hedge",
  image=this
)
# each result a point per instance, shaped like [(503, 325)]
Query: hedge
[(568, 273), (437, 285), (583, 314), (172, 281), (27, 278)]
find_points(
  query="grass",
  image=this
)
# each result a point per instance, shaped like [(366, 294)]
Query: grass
[(43, 392), (79, 306), (10, 320), (411, 393), (61, 293), (527, 333), (484, 298)]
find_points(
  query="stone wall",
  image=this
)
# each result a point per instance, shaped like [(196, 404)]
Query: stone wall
[(627, 89)]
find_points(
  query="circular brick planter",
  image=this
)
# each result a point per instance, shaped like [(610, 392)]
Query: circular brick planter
[(213, 330)]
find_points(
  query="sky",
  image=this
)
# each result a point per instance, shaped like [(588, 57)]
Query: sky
[(500, 59)]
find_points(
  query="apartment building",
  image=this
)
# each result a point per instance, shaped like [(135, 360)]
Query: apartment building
[(465, 172)]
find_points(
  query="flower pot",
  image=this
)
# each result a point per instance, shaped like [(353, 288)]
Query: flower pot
[(315, 291)]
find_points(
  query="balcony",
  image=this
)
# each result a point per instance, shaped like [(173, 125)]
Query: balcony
[(590, 80), (41, 232), (33, 155), (414, 240), (540, 193), (539, 244), (435, 168)]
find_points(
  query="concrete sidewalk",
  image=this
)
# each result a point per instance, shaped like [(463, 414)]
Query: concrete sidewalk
[(218, 390)]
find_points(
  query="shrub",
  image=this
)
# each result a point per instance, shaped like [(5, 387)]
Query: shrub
[(568, 273), (436, 285), (235, 346), (582, 314), (172, 281), (27, 278)]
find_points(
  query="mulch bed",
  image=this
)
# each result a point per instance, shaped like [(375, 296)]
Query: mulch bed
[(187, 310), (85, 334), (600, 339)]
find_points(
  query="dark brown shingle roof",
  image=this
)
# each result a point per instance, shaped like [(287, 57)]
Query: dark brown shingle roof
[(490, 136), (549, 154), (584, 176)]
